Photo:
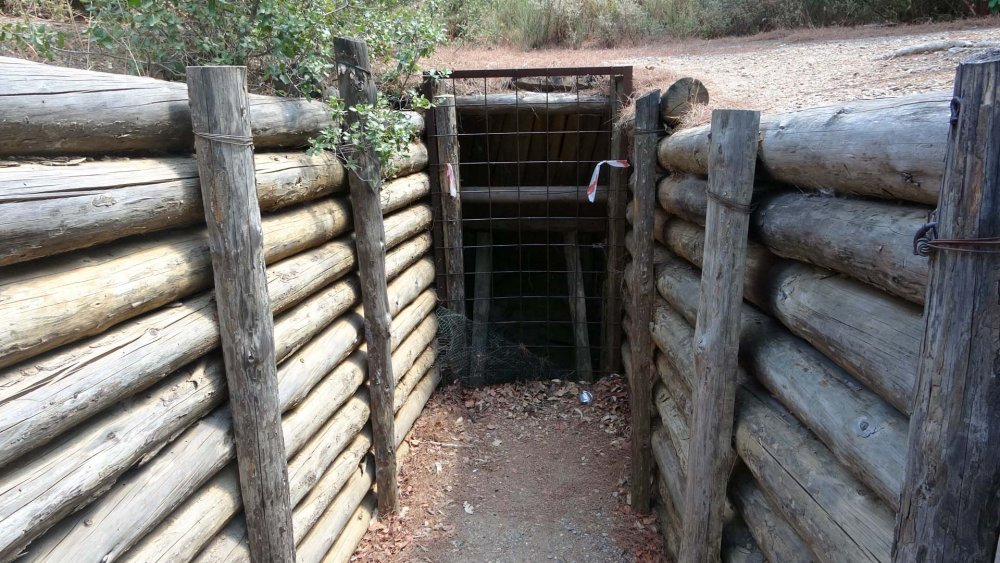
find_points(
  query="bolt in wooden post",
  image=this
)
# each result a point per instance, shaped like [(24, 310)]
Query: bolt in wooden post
[(647, 123), (732, 159), (365, 179), (221, 120), (950, 504)]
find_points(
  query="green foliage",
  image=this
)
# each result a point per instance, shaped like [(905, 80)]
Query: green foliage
[(286, 45), (37, 38)]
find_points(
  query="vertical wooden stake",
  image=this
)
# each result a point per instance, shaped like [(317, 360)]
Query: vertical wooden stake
[(446, 142), (732, 159), (221, 120), (365, 179), (647, 123), (481, 306), (446, 131), (578, 307), (611, 325), (950, 504)]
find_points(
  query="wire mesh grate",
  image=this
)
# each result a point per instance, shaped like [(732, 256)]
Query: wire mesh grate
[(535, 250)]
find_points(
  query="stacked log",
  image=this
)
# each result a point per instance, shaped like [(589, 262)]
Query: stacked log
[(831, 327), (115, 433), (48, 110), (890, 148)]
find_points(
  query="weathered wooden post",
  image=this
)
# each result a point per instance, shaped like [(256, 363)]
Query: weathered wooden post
[(449, 202), (950, 504), (647, 124), (446, 139), (220, 117), (611, 326), (365, 179), (732, 158)]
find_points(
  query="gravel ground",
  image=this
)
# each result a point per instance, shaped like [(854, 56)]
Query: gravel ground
[(772, 72), (515, 473)]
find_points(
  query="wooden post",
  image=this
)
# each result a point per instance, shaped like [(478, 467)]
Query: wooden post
[(611, 325), (578, 307), (221, 121), (481, 306), (446, 132), (950, 508), (647, 123), (448, 179), (365, 178), (732, 160)]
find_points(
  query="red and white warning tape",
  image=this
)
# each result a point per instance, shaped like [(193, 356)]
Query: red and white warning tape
[(592, 187)]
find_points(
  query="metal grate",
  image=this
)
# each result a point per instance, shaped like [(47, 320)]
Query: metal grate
[(536, 251)]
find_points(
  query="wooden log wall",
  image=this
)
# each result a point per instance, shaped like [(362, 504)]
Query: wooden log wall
[(831, 325), (116, 436)]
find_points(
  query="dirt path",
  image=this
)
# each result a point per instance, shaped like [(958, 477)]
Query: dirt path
[(772, 72), (518, 473)]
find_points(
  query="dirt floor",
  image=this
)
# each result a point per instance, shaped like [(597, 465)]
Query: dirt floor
[(772, 72), (517, 472)]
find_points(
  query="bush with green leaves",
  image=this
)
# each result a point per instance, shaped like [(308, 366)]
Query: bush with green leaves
[(286, 45)]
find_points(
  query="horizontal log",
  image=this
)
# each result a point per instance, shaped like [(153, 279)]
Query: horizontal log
[(888, 148), (423, 364), (413, 161), (873, 336), (82, 472), (738, 544), (332, 523), (531, 195), (183, 535), (69, 297), (51, 394), (343, 549), (868, 240), (534, 102), (414, 404), (832, 511), (320, 516), (99, 201), (46, 109), (865, 432), (775, 537), (39, 491)]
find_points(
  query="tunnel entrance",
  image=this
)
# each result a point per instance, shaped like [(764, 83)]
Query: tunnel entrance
[(538, 291)]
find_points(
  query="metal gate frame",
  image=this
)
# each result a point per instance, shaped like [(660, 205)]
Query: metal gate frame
[(620, 80)]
